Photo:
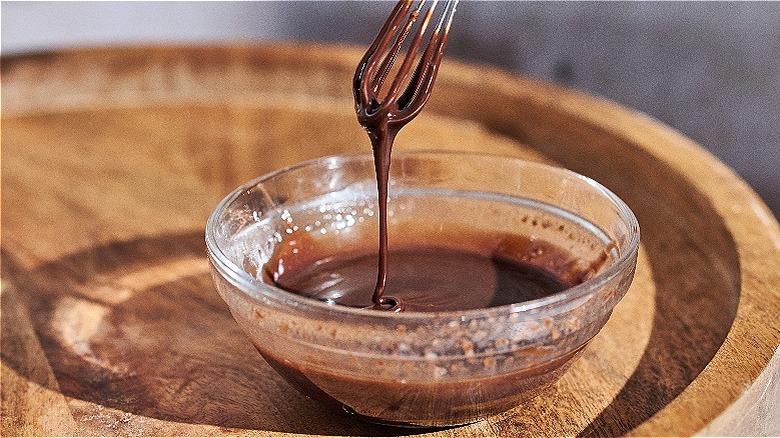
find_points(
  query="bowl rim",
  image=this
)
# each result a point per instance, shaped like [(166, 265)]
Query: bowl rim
[(246, 283)]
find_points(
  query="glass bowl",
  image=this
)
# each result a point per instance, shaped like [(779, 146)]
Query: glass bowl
[(422, 368)]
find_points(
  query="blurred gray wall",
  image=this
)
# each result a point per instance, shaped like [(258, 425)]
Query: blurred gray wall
[(710, 70)]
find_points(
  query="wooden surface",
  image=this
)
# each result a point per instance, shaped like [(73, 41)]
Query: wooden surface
[(113, 159)]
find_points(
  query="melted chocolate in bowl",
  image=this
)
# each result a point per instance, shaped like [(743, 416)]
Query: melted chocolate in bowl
[(480, 248), (429, 278), (433, 277)]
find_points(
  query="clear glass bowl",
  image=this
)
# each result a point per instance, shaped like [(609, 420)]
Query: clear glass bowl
[(421, 368)]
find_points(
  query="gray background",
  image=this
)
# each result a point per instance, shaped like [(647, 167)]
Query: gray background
[(710, 70)]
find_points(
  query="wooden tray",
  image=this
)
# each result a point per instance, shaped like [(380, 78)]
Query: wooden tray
[(112, 160)]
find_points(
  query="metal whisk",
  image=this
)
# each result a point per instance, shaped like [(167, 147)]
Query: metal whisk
[(409, 91)]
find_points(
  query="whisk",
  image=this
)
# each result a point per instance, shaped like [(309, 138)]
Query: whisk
[(409, 91)]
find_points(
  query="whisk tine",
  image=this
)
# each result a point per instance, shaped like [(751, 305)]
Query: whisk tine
[(387, 63), (366, 74), (401, 78), (423, 81), (447, 16)]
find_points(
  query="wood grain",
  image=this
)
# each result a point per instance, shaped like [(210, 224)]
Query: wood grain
[(113, 158)]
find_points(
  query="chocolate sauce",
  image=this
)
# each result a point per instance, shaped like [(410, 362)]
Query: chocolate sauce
[(433, 268), (424, 279), (465, 268)]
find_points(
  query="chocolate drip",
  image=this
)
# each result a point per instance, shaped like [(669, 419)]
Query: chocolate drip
[(383, 117)]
